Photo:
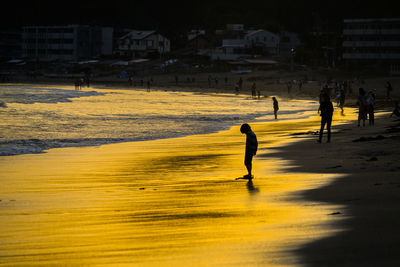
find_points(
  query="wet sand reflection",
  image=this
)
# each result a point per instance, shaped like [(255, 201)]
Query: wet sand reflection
[(172, 202)]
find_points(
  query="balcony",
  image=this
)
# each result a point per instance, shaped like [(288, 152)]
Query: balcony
[(371, 32), (371, 44), (370, 56)]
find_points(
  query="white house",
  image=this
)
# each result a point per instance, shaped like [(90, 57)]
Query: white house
[(138, 44), (266, 40)]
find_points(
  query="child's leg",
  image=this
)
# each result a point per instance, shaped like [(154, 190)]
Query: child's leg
[(248, 166)]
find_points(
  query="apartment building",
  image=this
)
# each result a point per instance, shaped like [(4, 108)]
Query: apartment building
[(70, 42), (372, 41)]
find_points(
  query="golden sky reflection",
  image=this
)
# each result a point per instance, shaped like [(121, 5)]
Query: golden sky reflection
[(171, 202)]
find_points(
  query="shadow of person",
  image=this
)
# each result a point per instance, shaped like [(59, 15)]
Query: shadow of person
[(251, 188)]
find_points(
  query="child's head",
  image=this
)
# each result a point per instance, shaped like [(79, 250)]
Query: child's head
[(245, 128)]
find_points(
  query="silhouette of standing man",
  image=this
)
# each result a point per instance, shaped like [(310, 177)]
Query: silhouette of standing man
[(251, 148), (326, 109), (276, 107)]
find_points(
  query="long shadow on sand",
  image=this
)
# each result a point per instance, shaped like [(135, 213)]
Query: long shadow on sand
[(369, 195)]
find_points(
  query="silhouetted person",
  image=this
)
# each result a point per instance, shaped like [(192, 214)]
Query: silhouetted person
[(389, 89), (253, 90), (362, 106), (300, 84), (240, 83), (326, 109), (342, 99), (371, 108), (76, 84), (251, 148), (148, 86), (236, 88), (396, 110), (176, 80), (81, 81), (289, 87), (276, 107)]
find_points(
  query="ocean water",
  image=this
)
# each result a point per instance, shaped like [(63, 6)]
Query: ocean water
[(34, 118)]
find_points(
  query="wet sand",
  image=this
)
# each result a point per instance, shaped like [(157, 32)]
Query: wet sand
[(171, 202)]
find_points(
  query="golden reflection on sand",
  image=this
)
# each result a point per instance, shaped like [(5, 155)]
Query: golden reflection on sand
[(171, 202)]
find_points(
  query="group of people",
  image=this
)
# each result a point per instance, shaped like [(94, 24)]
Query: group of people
[(79, 83), (365, 101)]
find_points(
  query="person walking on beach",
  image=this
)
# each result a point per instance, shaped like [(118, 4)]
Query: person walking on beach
[(251, 148), (253, 90), (342, 100), (240, 83), (300, 85), (326, 109), (276, 107), (77, 85), (236, 88), (396, 110), (148, 86), (289, 87), (371, 103), (362, 106)]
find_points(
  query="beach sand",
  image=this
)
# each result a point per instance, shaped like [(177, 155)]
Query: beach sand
[(175, 202), (368, 193)]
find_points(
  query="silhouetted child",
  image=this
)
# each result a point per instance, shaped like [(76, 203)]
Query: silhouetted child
[(326, 109), (251, 148), (276, 107)]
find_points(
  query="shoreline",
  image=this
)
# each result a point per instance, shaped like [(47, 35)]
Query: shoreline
[(37, 145)]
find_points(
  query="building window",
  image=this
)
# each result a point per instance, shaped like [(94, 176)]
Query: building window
[(149, 43)]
